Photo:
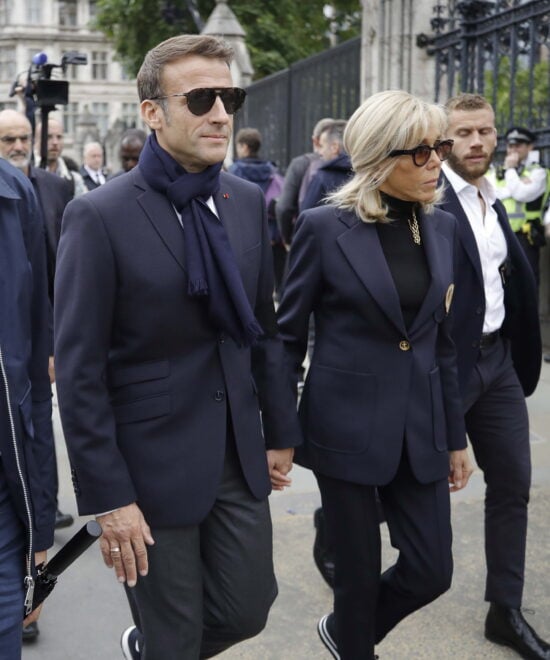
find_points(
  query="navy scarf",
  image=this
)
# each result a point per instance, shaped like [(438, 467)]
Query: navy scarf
[(209, 260)]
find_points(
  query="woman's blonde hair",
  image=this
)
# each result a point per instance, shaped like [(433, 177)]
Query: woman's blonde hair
[(384, 122)]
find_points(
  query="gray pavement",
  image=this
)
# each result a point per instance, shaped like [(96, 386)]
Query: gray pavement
[(85, 615)]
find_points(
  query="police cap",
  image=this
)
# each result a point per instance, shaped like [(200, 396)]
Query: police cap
[(517, 134)]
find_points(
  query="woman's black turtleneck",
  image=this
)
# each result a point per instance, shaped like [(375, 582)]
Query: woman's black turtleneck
[(406, 260)]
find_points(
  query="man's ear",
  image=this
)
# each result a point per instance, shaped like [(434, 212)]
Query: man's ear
[(151, 113)]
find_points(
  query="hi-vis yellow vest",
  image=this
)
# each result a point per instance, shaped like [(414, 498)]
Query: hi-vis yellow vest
[(522, 213)]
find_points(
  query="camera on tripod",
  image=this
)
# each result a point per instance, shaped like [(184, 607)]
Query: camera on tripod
[(40, 90), (50, 92)]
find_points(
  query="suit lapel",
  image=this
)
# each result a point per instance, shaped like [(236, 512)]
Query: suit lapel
[(163, 217), (225, 203), (465, 232), (434, 248), (362, 249)]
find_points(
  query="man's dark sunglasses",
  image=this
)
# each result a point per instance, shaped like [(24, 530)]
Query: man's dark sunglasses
[(201, 100), (421, 154)]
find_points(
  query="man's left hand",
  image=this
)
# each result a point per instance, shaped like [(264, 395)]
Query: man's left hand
[(279, 462)]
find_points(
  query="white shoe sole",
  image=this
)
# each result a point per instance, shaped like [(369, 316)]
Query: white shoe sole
[(125, 643), (326, 638)]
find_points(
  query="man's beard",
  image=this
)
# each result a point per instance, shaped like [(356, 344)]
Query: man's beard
[(467, 171), (19, 161)]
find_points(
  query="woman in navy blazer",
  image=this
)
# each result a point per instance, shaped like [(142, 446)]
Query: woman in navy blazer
[(380, 407)]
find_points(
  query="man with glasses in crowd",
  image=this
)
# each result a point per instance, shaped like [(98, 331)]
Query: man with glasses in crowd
[(495, 309), (175, 404)]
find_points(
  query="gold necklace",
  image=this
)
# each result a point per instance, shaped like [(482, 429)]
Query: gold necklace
[(415, 229)]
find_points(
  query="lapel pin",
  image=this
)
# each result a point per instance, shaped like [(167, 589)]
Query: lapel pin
[(225, 195)]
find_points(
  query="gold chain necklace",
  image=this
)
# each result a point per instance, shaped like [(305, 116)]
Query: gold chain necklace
[(415, 229)]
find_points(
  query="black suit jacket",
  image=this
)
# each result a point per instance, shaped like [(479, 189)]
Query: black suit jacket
[(521, 322), (88, 181), (146, 383), (373, 384), (53, 193)]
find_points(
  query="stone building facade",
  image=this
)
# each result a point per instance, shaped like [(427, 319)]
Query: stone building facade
[(102, 97)]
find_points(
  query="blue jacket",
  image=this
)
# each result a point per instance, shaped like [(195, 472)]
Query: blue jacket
[(26, 440), (330, 176), (254, 170)]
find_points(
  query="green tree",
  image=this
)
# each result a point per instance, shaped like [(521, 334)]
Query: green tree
[(279, 32), (530, 106)]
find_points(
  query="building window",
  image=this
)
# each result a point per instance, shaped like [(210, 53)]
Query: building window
[(68, 13), (130, 114), (7, 63), (6, 7), (92, 9), (34, 11), (99, 65), (70, 118), (100, 112), (70, 70)]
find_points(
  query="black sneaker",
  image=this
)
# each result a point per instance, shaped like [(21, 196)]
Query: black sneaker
[(63, 519), (129, 643), (30, 632), (326, 637)]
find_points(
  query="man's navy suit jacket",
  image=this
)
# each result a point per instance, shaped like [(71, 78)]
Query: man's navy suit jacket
[(146, 383), (521, 322), (373, 384)]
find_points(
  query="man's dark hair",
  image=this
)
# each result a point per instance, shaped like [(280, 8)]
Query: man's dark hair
[(149, 78), (133, 135), (252, 138), (467, 102)]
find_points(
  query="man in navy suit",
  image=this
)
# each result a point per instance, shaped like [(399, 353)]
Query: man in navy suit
[(176, 408), (497, 336)]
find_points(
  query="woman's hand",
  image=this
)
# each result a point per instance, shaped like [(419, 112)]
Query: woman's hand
[(460, 469), (279, 462)]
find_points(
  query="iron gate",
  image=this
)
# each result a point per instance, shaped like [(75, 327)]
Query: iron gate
[(285, 106), (499, 49)]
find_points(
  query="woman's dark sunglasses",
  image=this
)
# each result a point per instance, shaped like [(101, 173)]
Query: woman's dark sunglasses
[(421, 154), (201, 100)]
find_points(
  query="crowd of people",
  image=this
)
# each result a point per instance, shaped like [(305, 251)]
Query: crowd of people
[(406, 266)]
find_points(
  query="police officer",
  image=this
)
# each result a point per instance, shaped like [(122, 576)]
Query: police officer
[(522, 186)]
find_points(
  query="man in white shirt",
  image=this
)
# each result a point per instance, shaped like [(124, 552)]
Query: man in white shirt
[(494, 310), (92, 169)]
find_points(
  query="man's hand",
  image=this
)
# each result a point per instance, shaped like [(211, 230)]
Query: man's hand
[(461, 469), (279, 462), (39, 558), (511, 160), (125, 535)]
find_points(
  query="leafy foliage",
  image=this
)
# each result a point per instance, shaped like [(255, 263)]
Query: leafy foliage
[(530, 107), (279, 32)]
